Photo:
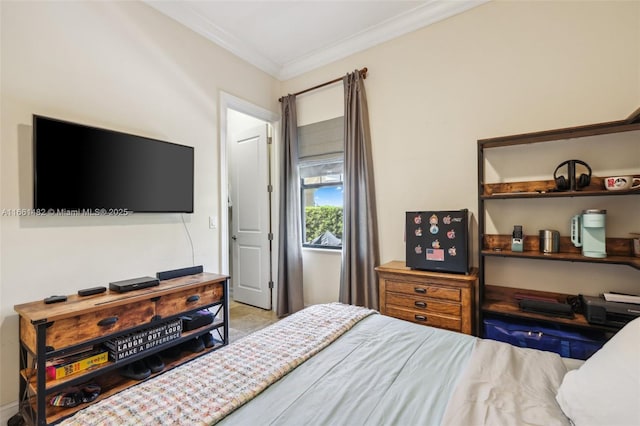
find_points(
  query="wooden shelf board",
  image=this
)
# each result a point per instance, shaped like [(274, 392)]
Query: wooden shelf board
[(562, 134), (30, 376), (619, 250), (563, 194), (501, 300), (566, 257), (546, 189)]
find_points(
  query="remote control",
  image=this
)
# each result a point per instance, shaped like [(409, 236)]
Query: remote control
[(92, 290), (55, 299)]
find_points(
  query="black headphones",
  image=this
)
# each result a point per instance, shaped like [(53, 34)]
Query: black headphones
[(572, 184)]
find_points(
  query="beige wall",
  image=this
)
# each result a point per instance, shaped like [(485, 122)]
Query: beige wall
[(501, 68), (119, 65)]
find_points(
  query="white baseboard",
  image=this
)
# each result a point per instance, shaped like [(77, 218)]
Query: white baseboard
[(8, 411)]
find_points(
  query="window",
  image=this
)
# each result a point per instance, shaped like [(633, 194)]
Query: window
[(320, 147), (322, 211)]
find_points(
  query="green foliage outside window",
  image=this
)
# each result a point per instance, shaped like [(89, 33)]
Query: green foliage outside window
[(321, 219)]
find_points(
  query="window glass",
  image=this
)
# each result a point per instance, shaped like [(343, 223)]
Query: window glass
[(322, 205)]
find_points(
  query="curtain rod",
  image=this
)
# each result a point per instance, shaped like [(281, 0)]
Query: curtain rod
[(363, 74)]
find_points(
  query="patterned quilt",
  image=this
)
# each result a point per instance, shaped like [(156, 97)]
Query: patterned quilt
[(205, 390)]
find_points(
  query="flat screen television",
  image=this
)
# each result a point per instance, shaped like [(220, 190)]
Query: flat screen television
[(83, 168)]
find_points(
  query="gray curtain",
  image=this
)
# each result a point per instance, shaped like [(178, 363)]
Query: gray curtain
[(290, 297), (360, 253)]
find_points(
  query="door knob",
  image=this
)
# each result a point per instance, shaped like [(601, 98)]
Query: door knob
[(234, 238)]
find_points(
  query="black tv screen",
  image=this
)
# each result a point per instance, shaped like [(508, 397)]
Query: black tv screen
[(83, 168)]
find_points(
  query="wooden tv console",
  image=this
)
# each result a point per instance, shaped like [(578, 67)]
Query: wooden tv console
[(49, 331)]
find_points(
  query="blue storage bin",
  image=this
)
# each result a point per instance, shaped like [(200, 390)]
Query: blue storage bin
[(568, 343)]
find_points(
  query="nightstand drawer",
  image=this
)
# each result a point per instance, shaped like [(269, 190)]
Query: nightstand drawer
[(101, 322), (435, 292), (422, 304), (426, 318), (177, 303)]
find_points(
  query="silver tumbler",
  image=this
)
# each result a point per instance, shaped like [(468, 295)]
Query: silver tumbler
[(549, 241)]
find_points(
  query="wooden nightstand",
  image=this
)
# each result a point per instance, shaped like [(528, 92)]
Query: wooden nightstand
[(431, 298)]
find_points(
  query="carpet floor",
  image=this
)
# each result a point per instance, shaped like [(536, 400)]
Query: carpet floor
[(245, 319)]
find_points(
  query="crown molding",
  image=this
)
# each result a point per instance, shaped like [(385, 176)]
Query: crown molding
[(426, 14), (422, 16), (189, 17)]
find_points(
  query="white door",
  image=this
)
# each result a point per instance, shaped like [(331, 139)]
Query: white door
[(250, 217)]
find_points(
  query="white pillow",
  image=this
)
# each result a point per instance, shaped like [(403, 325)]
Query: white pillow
[(605, 390)]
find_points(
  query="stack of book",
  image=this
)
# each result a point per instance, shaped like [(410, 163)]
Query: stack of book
[(622, 297), (123, 347), (58, 368)]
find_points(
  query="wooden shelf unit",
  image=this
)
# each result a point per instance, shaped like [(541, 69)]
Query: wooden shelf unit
[(55, 330), (499, 300)]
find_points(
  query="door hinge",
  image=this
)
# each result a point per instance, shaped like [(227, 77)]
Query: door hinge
[(270, 236), (270, 284), (269, 140), (269, 188)]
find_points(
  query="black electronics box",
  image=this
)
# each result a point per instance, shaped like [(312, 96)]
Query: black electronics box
[(133, 284), (196, 320), (438, 240), (176, 273)]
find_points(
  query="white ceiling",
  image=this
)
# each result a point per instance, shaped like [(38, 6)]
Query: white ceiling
[(288, 38)]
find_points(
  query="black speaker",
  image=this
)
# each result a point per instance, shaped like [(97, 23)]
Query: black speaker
[(571, 182), (133, 284), (175, 273)]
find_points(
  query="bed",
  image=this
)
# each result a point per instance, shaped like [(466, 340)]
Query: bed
[(336, 364)]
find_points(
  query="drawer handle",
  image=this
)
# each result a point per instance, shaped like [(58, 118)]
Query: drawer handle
[(420, 290), (106, 322), (193, 298), (420, 317), (420, 304)]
